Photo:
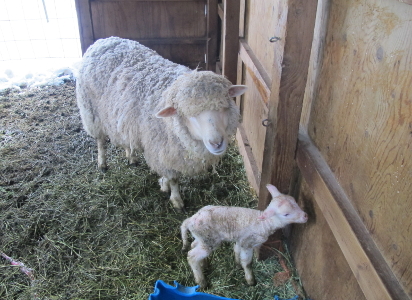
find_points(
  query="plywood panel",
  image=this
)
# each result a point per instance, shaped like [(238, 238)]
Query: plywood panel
[(322, 267), (362, 119), (190, 55), (140, 20), (260, 27)]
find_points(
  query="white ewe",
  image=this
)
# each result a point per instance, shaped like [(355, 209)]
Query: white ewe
[(248, 228), (180, 119)]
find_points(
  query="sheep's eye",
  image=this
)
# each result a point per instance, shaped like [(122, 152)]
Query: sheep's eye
[(286, 215)]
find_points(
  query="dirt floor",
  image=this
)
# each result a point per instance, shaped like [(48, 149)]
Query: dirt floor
[(84, 234)]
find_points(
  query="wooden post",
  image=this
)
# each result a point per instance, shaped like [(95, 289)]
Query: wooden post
[(84, 20), (285, 101), (230, 39), (211, 44)]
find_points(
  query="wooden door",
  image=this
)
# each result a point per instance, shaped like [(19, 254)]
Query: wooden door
[(184, 31), (273, 54)]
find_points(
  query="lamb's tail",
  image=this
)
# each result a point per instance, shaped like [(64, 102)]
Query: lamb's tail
[(184, 229)]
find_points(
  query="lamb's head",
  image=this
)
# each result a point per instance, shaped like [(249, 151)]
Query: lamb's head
[(204, 101), (284, 207)]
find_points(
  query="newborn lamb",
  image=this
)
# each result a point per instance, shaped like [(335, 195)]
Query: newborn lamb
[(248, 228)]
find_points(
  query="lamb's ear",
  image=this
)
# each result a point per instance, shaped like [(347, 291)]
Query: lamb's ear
[(273, 190), (166, 112), (237, 90), (267, 213)]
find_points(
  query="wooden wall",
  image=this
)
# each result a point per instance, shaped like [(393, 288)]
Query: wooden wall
[(357, 132), (184, 31)]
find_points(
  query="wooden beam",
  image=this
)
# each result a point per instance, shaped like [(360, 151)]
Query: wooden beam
[(230, 39), (287, 92), (257, 72), (171, 41), (211, 45), (84, 19), (220, 11), (245, 150), (374, 276), (147, 0)]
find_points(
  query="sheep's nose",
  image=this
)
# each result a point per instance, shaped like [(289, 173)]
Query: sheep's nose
[(216, 145)]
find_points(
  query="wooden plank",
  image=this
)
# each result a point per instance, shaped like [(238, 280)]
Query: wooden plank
[(251, 168), (287, 92), (259, 76), (374, 276), (316, 57), (212, 31), (141, 20), (230, 38), (84, 20), (322, 267)]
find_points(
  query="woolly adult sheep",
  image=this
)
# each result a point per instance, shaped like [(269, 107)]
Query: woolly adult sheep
[(179, 118)]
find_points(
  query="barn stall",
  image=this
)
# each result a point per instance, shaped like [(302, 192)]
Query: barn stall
[(327, 118), (328, 115)]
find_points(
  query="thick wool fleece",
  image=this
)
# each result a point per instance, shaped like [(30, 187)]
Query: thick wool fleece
[(123, 84)]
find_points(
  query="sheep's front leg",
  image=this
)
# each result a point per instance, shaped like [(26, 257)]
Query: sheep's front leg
[(246, 256), (196, 258), (164, 184), (175, 195), (173, 185), (101, 154)]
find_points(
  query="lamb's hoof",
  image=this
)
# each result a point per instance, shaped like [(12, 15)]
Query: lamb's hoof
[(203, 284), (133, 164), (251, 282), (103, 168)]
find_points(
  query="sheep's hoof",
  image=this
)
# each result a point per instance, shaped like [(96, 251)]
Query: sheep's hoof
[(180, 210), (203, 284), (133, 164), (103, 168)]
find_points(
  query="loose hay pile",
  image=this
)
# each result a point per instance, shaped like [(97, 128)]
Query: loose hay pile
[(89, 235)]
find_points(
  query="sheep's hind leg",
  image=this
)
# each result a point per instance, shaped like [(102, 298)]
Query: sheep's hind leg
[(246, 256), (130, 156), (101, 154), (196, 258)]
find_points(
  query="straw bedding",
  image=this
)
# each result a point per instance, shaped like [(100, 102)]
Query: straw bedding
[(92, 235)]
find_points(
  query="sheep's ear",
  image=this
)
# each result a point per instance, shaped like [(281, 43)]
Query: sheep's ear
[(166, 112), (273, 190), (237, 90)]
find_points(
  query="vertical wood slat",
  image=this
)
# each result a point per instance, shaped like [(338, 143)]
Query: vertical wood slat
[(285, 102), (84, 19), (373, 274), (230, 39), (211, 44)]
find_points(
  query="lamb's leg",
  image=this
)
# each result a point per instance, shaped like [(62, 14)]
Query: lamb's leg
[(196, 258), (175, 195), (101, 154), (246, 256), (237, 255)]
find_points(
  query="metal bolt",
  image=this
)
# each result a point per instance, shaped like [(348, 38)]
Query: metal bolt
[(274, 39), (266, 122)]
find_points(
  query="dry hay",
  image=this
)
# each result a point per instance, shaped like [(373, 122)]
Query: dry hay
[(89, 235)]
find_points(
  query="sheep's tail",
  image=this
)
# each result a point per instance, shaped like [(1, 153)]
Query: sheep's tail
[(184, 229)]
